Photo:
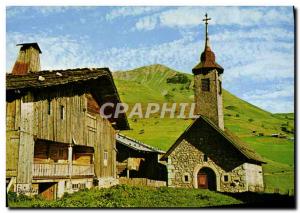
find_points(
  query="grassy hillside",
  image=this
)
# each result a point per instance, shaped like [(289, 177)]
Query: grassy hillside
[(130, 197), (155, 84)]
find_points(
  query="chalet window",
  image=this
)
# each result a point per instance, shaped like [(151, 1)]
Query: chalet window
[(75, 186), (205, 158), (78, 186), (62, 112), (220, 87), (105, 158), (49, 107), (225, 178), (205, 84)]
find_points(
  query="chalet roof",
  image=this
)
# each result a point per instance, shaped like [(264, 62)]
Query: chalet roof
[(136, 145), (51, 78), (241, 146), (97, 79)]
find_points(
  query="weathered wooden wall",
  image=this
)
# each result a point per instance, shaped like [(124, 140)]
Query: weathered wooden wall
[(78, 126), (26, 146), (106, 143), (13, 115), (70, 128)]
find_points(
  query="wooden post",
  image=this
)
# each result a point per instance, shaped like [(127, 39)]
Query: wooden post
[(128, 173), (26, 147), (70, 160)]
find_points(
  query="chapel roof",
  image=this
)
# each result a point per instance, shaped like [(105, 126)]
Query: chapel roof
[(232, 139), (207, 58)]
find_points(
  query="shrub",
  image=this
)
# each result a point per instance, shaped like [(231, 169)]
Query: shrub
[(231, 107), (168, 96), (12, 196), (250, 120), (178, 78)]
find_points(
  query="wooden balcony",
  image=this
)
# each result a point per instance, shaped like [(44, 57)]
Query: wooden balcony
[(61, 170)]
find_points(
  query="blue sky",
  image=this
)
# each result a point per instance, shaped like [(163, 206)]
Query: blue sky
[(255, 45)]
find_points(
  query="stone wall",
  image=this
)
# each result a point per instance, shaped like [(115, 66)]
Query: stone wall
[(106, 182), (210, 103), (226, 162)]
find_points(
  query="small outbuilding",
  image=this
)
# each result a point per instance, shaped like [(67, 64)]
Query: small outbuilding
[(138, 160)]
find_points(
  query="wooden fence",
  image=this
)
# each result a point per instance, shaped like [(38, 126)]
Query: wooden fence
[(61, 170), (272, 190), (141, 182)]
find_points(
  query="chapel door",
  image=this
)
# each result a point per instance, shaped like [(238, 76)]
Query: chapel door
[(202, 181)]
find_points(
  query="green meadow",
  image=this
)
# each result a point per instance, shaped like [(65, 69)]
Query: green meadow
[(160, 84), (123, 196)]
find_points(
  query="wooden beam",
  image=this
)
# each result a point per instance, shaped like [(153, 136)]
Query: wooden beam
[(26, 148)]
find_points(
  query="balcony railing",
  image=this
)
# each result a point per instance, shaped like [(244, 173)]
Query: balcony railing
[(61, 170)]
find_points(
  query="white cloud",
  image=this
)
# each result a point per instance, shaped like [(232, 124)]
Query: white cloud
[(146, 23), (130, 11), (57, 52), (258, 53), (286, 91), (275, 106), (13, 11), (185, 17), (268, 34)]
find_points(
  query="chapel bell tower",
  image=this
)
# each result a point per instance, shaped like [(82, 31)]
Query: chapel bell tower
[(208, 84)]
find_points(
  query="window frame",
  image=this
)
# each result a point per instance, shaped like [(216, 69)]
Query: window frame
[(105, 158), (49, 108), (205, 84), (220, 87), (62, 112)]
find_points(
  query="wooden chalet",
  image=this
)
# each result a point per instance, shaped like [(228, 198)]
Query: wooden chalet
[(56, 139)]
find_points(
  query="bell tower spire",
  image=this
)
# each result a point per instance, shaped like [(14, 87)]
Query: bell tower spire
[(206, 19), (208, 84)]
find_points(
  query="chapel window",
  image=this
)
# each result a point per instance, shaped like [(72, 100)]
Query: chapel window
[(205, 84)]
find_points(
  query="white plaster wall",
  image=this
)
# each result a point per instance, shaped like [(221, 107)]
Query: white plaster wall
[(254, 177), (60, 188)]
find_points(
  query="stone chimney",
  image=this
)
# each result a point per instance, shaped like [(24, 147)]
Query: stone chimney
[(28, 59)]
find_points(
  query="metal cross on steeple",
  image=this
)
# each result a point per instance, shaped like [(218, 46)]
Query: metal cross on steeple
[(206, 29)]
